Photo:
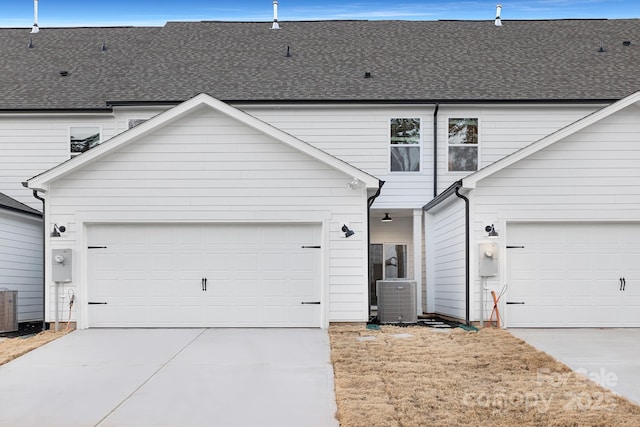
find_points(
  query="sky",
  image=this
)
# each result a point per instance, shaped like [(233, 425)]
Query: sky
[(58, 13)]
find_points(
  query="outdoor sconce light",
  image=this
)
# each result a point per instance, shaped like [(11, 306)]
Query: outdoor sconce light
[(347, 232), (493, 234), (386, 218), (57, 230)]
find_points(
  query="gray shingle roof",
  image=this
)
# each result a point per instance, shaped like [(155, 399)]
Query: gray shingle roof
[(240, 61), (7, 202)]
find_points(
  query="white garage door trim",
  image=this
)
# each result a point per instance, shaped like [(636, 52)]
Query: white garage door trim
[(573, 274), (204, 275)]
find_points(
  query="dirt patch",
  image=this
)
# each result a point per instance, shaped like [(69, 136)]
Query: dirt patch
[(11, 348), (455, 377)]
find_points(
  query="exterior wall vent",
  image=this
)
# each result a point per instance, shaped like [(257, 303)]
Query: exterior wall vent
[(397, 301)]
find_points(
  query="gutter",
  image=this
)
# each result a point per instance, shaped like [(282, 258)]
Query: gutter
[(370, 201), (44, 292), (454, 189), (435, 150), (467, 284)]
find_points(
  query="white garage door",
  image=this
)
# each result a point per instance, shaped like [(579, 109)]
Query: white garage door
[(573, 275), (251, 275)]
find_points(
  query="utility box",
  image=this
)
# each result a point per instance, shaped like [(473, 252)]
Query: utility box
[(61, 265), (8, 310), (488, 259)]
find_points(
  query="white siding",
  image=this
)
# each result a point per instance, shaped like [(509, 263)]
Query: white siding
[(209, 168), (503, 130), (447, 237), (32, 145), (590, 176), (21, 262), (358, 135)]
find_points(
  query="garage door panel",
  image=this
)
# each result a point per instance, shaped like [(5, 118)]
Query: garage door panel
[(568, 274), (257, 275)]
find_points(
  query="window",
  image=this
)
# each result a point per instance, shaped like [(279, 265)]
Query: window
[(463, 145), (83, 138), (135, 122), (405, 145)]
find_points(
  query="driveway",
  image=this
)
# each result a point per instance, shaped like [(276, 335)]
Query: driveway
[(607, 356), (172, 377)]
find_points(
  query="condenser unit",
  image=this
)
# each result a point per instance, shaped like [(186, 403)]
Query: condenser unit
[(8, 310), (397, 301)]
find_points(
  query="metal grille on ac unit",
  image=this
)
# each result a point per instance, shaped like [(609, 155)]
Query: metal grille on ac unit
[(397, 301)]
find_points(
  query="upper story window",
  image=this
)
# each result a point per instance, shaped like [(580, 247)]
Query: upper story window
[(406, 143), (463, 144), (83, 138), (135, 122)]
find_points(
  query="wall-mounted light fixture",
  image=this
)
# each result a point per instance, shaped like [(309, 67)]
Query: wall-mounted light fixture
[(386, 218), (493, 234), (347, 231), (57, 230)]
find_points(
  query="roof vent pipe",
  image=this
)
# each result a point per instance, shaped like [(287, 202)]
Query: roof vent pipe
[(498, 21), (275, 25), (35, 28)]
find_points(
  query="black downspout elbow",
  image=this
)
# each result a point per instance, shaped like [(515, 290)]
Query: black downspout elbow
[(370, 201), (44, 237), (467, 289)]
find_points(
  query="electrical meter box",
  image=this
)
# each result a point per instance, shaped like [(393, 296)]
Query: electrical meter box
[(487, 259), (61, 265)]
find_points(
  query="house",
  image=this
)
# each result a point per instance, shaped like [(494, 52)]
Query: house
[(21, 257), (231, 174)]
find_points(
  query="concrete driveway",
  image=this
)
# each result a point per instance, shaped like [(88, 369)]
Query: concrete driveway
[(607, 356), (172, 377)]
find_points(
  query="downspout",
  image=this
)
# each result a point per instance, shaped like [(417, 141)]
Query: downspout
[(44, 237), (467, 289), (370, 201), (435, 150)]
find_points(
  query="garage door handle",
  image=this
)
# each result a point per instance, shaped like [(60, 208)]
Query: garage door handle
[(97, 303), (515, 302), (311, 302)]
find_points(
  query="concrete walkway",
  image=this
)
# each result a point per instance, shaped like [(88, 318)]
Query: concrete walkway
[(607, 356), (172, 377)]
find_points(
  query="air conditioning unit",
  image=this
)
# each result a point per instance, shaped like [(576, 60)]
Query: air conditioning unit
[(396, 301), (8, 310)]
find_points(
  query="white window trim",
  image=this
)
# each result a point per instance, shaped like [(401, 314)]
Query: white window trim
[(420, 145), (446, 139), (82, 125)]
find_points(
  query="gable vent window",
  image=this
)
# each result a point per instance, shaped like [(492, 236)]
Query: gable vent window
[(463, 145), (135, 122), (83, 138), (405, 145)]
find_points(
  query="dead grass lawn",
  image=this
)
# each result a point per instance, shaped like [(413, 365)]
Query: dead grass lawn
[(12, 348), (488, 378)]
